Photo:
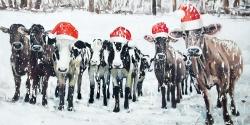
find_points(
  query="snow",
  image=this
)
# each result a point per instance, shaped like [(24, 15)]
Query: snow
[(147, 110)]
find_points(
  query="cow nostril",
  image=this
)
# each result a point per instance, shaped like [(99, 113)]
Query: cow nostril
[(36, 48), (62, 70)]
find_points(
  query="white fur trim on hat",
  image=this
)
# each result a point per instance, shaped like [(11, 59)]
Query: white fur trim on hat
[(191, 25), (161, 34), (118, 39), (63, 36)]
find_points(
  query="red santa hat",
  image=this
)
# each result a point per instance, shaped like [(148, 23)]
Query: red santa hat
[(191, 18), (120, 34), (160, 30), (65, 30)]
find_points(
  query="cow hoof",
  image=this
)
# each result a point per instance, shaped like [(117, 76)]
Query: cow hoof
[(235, 113), (79, 96), (61, 107), (116, 109), (98, 96), (108, 96), (209, 120), (91, 101), (218, 104), (57, 91), (33, 100), (173, 105), (15, 98), (134, 98), (178, 101), (27, 99), (44, 102), (105, 104), (164, 107), (130, 97), (121, 95), (70, 108)]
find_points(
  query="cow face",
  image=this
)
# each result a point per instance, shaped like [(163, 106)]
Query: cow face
[(96, 55), (65, 51), (145, 62), (194, 38), (160, 46), (37, 37), (17, 39), (121, 55)]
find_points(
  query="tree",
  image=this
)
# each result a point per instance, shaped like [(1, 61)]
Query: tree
[(3, 4), (38, 4), (174, 5), (154, 7), (91, 6), (23, 3), (10, 3), (109, 4), (225, 6), (159, 4)]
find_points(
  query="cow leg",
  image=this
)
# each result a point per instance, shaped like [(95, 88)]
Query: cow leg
[(104, 93), (57, 90), (190, 84), (178, 93), (121, 88), (108, 84), (70, 97), (117, 103), (168, 92), (139, 88), (44, 89), (163, 93), (231, 93), (134, 83), (61, 90), (98, 89), (91, 73), (27, 95), (17, 87), (186, 87), (226, 117), (79, 83), (34, 89), (173, 100), (218, 98), (182, 86), (209, 118)]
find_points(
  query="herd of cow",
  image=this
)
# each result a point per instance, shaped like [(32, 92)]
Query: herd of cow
[(209, 61)]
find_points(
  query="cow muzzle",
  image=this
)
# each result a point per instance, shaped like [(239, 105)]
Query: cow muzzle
[(194, 51), (62, 70), (160, 56), (117, 66), (37, 48), (94, 62), (17, 45)]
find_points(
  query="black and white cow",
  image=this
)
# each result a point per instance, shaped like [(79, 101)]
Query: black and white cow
[(67, 61), (121, 58)]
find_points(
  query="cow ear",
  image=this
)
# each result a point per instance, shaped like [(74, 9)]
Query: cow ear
[(80, 44), (176, 34), (23, 30), (5, 30), (149, 38), (212, 29)]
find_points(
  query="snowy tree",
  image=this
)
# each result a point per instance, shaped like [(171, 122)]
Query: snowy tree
[(91, 6), (154, 7)]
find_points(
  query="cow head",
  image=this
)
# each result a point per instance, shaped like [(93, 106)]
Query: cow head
[(96, 51), (17, 40), (65, 51), (160, 45), (194, 38), (120, 55), (37, 37)]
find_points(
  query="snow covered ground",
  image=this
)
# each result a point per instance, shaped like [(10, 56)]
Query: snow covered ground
[(146, 111)]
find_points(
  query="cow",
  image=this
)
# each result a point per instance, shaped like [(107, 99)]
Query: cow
[(40, 61), (20, 54), (169, 64), (67, 59), (214, 62)]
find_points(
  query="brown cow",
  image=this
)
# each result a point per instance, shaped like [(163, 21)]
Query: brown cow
[(19, 57), (214, 62)]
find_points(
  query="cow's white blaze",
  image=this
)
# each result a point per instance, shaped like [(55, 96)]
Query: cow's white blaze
[(97, 46), (64, 48), (117, 62)]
